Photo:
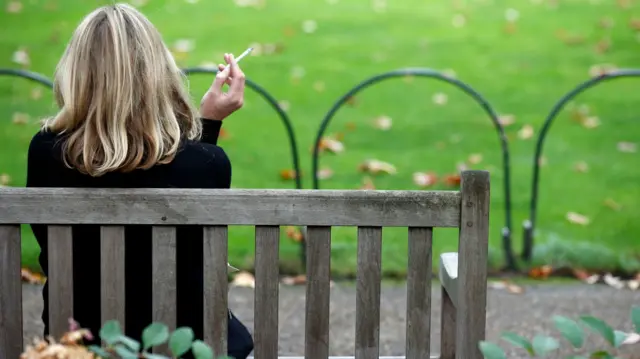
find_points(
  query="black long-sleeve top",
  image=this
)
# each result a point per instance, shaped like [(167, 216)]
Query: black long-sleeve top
[(198, 164)]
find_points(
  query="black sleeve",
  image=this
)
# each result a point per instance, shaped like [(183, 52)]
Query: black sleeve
[(210, 131)]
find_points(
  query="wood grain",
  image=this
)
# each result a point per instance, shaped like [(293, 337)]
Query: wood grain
[(10, 293), (163, 254), (266, 295), (447, 326), (216, 313), (419, 293), (471, 301), (368, 278), (112, 274), (318, 292), (60, 279), (231, 207)]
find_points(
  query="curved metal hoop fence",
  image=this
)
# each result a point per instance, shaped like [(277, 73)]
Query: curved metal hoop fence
[(199, 70), (529, 225), (488, 109)]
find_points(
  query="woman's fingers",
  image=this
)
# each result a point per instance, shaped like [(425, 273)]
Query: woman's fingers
[(221, 68), (236, 88)]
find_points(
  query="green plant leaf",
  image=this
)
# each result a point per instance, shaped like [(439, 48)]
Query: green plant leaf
[(131, 344), (518, 341), (180, 341), (599, 326), (601, 354), (619, 337), (125, 353), (635, 318), (491, 351), (99, 351), (154, 334), (543, 344), (201, 350), (153, 356), (570, 330), (110, 331)]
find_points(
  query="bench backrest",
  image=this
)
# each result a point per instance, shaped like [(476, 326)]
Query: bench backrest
[(420, 211)]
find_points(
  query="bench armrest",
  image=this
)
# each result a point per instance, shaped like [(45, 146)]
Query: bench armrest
[(448, 274)]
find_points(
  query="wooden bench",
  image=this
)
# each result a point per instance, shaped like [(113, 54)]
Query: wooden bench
[(464, 281)]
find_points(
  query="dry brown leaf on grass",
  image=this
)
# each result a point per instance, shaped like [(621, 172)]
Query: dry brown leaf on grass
[(297, 73), (613, 282), (474, 158), (606, 22), (309, 26), (568, 38), (284, 105), (300, 279), (542, 161), (367, 183), (591, 122), (36, 93), (601, 69), (452, 180), (244, 279), (325, 173), (375, 167), (294, 234), (577, 218), (20, 118), (609, 202), (634, 23), (542, 272), (330, 144), (21, 57), (627, 147), (31, 277), (506, 120), (425, 179), (581, 167), (458, 20), (288, 174), (602, 46), (319, 86), (440, 99), (383, 123), (14, 7), (506, 286), (5, 179)]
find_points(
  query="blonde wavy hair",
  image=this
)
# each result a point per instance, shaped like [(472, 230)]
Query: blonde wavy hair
[(123, 100)]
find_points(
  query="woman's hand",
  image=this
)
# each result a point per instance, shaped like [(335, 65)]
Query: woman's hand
[(216, 104)]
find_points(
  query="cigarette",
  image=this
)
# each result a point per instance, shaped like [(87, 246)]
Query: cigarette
[(247, 52)]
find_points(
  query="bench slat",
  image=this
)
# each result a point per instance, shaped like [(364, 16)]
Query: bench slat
[(318, 241), (473, 246), (266, 293), (175, 206), (215, 288), (11, 292), (164, 287), (419, 293), (112, 273), (368, 293), (447, 326), (60, 279)]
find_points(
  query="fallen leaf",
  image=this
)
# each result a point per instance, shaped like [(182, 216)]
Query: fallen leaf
[(5, 179), (288, 175), (379, 6), (506, 120), (184, 45), (452, 180), (440, 145), (20, 118), (634, 24), (512, 15), (624, 4), (31, 277), (244, 279), (223, 134), (376, 167), (458, 20), (506, 285), (21, 57), (542, 161), (450, 73), (612, 281), (632, 338), (296, 280), (593, 279), (514, 288), (352, 101), (36, 93), (330, 144), (542, 272), (309, 26), (570, 39), (577, 218), (440, 98), (526, 132), (367, 183), (581, 166), (606, 22), (14, 7), (474, 158), (424, 179), (633, 284), (325, 173), (294, 234), (383, 123), (581, 274), (297, 73), (461, 166), (609, 202), (351, 126), (627, 147), (284, 105), (602, 46), (591, 122), (288, 31)]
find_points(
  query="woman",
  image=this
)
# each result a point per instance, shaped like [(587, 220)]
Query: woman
[(126, 121)]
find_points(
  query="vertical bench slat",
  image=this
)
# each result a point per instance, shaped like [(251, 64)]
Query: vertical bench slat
[(164, 279), (10, 293), (112, 274), (60, 279), (318, 292), (368, 292), (419, 293), (215, 288), (447, 326), (473, 245), (266, 294)]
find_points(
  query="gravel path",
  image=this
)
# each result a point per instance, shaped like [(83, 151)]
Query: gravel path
[(525, 314)]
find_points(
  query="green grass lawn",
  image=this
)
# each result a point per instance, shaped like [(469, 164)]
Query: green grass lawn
[(521, 73)]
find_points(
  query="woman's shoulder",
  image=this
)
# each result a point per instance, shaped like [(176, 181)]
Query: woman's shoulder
[(42, 143)]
